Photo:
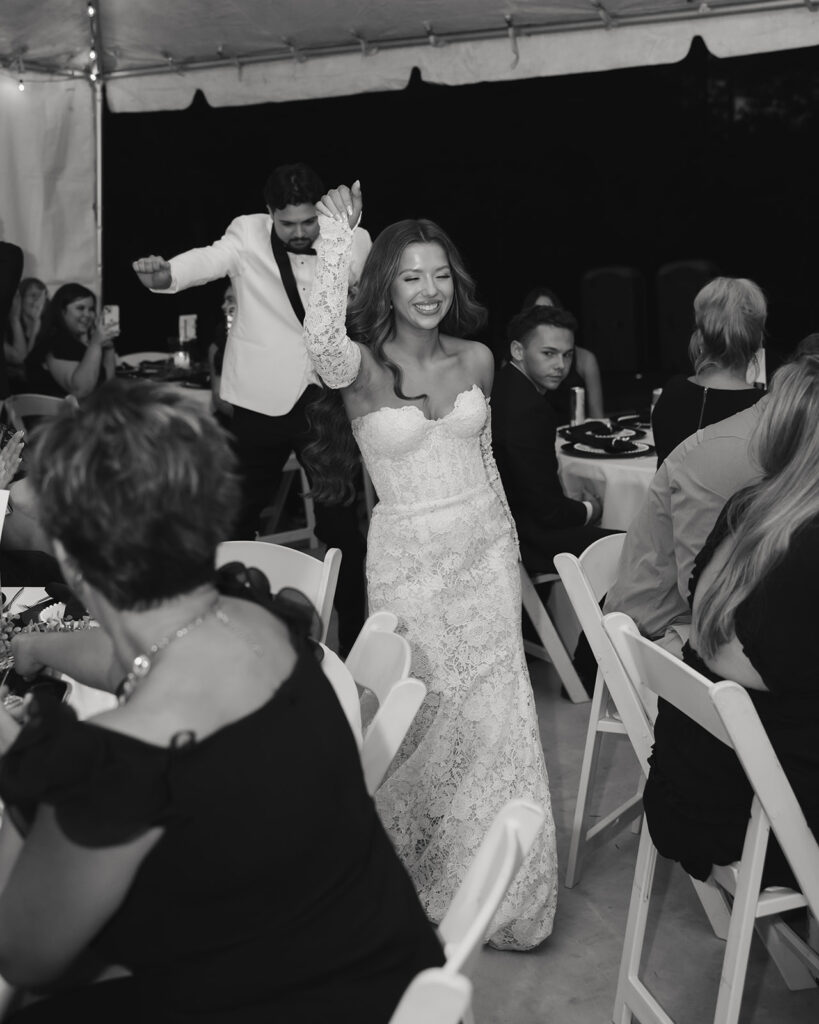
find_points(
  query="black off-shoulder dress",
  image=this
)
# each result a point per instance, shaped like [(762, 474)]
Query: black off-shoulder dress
[(274, 893)]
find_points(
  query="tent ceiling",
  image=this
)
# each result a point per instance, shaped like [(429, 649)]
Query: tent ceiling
[(156, 53)]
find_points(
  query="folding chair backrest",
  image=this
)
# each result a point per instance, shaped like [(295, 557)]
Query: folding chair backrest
[(378, 660), (650, 666), (435, 996), (287, 567), (771, 786), (388, 729), (600, 561), (636, 706), (725, 709), (18, 408), (488, 878)]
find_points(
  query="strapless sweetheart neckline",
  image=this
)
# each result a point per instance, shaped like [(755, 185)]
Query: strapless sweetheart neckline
[(404, 408)]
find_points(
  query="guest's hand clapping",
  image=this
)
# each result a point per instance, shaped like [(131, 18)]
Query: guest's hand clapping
[(342, 202)]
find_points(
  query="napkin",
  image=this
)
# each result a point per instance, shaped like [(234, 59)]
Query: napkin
[(612, 445)]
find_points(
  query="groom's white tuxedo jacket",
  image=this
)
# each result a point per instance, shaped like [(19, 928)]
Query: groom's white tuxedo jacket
[(266, 367)]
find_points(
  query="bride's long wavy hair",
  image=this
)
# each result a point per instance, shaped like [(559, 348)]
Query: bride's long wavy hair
[(331, 457), (764, 517)]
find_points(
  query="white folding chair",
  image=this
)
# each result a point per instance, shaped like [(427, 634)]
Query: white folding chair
[(725, 709), (21, 407), (345, 690), (135, 358), (435, 996), (587, 579), (379, 661), (465, 925), (551, 647), (291, 471), (286, 567), (637, 708), (388, 729), (379, 658)]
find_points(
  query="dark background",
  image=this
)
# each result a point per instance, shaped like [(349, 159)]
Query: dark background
[(537, 181)]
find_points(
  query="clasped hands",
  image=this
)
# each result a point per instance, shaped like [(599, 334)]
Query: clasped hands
[(342, 202)]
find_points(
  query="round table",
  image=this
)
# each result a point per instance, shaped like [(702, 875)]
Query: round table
[(620, 484)]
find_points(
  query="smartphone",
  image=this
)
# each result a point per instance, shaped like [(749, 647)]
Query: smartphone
[(110, 316)]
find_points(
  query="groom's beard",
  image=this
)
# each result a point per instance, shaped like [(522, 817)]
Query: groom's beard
[(300, 247)]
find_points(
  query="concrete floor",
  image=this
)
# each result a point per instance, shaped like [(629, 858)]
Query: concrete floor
[(571, 978)]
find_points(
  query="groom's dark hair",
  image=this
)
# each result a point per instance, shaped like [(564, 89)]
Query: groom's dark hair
[(292, 185)]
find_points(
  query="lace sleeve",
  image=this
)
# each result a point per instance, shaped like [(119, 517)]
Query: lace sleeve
[(335, 357), (493, 474)]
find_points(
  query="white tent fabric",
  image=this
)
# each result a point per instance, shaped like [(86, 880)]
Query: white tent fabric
[(154, 55), (47, 178)]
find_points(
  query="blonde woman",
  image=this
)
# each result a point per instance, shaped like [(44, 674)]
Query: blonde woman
[(753, 622), (729, 317)]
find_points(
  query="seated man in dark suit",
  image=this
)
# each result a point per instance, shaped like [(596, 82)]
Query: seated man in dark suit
[(524, 426)]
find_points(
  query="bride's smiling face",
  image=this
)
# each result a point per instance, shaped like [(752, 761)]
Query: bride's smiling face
[(422, 291)]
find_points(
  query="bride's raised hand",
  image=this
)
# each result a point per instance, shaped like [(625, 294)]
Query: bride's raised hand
[(342, 202)]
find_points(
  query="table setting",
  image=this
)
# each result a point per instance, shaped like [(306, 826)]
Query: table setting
[(174, 368), (47, 609), (614, 458)]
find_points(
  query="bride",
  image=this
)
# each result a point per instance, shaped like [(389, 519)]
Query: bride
[(442, 552)]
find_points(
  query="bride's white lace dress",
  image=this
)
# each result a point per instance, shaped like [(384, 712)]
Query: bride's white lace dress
[(442, 556)]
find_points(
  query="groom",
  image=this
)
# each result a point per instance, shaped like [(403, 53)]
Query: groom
[(267, 375)]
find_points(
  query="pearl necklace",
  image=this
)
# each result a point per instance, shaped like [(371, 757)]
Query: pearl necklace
[(143, 663)]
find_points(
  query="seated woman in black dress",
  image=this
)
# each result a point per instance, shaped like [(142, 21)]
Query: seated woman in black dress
[(212, 834), (729, 317), (73, 352), (585, 371), (754, 621)]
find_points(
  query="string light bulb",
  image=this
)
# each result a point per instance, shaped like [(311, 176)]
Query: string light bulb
[(21, 86), (91, 11), (93, 76), (92, 54)]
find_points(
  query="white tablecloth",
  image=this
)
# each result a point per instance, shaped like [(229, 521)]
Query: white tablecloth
[(621, 484)]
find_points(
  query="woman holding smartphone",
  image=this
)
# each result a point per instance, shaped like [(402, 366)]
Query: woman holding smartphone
[(73, 352)]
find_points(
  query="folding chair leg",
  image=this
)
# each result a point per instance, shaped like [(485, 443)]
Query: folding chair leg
[(588, 773), (813, 932), (743, 918), (551, 641), (796, 962), (715, 906), (632, 995)]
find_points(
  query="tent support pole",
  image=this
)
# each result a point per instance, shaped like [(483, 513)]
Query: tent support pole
[(98, 96)]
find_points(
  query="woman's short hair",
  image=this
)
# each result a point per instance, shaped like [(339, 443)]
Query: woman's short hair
[(729, 317), (139, 486)]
